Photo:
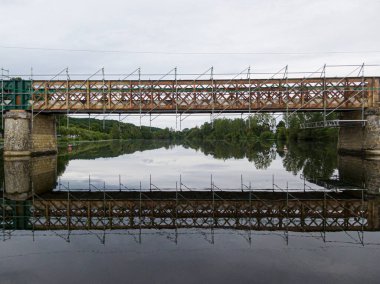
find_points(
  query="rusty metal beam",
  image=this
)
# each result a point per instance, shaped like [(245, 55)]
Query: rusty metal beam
[(236, 95)]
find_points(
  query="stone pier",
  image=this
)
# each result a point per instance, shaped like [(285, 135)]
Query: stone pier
[(25, 135), (360, 139)]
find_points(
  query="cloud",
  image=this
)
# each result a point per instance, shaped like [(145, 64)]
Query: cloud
[(240, 26)]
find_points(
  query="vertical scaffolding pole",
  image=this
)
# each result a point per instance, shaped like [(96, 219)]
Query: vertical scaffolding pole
[(180, 121), (2, 99), (104, 214), (104, 101), (67, 97), (140, 95), (2, 94), (213, 211), (362, 218), (362, 88), (68, 208), (33, 206), (119, 126), (150, 183), (285, 77), (212, 97), (176, 97), (180, 183), (250, 212), (31, 95), (249, 97), (3, 205), (304, 183), (119, 182), (324, 216), (176, 212), (287, 213), (324, 96), (140, 215), (241, 182)]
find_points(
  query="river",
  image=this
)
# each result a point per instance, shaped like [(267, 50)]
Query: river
[(162, 212)]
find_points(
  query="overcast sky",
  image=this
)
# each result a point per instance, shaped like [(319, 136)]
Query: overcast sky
[(266, 35)]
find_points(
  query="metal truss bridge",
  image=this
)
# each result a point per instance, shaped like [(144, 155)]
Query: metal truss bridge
[(192, 96)]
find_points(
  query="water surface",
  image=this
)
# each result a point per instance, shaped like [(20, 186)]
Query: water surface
[(161, 212)]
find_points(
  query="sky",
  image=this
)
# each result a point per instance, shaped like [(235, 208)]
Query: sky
[(156, 36)]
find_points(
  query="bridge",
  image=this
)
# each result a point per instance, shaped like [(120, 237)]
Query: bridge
[(253, 210), (31, 105), (192, 96)]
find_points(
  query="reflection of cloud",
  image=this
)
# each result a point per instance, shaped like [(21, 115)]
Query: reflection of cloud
[(148, 161), (212, 166), (166, 165)]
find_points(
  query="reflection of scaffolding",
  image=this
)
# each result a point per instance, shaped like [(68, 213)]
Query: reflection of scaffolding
[(243, 211), (356, 214), (248, 211), (283, 91)]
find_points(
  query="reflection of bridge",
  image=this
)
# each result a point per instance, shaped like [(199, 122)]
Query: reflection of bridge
[(28, 202), (169, 210)]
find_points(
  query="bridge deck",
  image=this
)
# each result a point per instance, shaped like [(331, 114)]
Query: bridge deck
[(192, 96)]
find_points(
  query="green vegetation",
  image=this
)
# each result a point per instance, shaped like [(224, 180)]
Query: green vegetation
[(315, 160), (261, 154), (294, 131), (104, 149), (257, 128), (92, 129)]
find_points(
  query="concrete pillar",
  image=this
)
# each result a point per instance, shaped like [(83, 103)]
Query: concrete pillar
[(360, 140), (372, 132), (22, 138), (17, 133)]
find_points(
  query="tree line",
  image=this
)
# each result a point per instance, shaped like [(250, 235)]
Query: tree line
[(258, 127)]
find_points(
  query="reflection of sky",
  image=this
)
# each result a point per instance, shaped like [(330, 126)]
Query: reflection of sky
[(198, 256), (167, 165)]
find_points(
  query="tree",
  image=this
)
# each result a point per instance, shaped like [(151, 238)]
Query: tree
[(115, 133)]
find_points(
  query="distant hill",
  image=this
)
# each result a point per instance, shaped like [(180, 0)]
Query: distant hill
[(92, 129)]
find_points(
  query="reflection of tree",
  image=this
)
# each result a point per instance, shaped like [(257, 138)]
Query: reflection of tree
[(313, 159), (106, 149), (260, 154), (316, 160)]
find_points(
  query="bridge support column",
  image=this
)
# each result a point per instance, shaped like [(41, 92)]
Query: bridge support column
[(21, 138), (358, 139)]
